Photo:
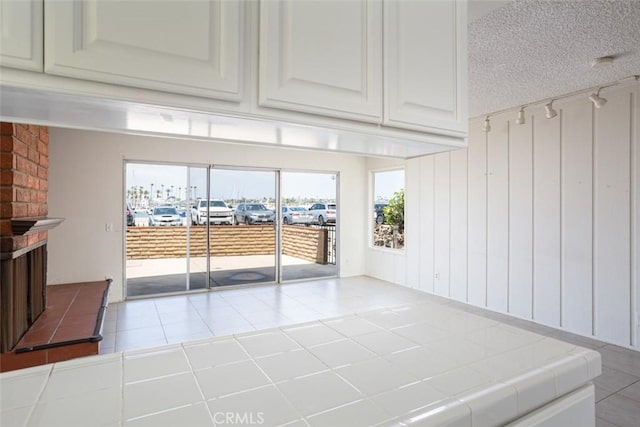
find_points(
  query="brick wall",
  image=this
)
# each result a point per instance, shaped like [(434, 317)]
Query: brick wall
[(24, 164), (305, 242), (171, 242)]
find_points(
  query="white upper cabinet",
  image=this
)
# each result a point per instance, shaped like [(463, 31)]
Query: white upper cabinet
[(21, 34), (322, 57), (425, 63), (192, 47)]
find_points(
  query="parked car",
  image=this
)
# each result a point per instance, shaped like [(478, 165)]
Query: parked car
[(323, 213), (141, 219), (251, 213), (378, 212), (128, 211), (165, 215), (217, 212), (296, 215)]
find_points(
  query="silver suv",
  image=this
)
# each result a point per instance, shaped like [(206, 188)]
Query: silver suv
[(253, 213), (323, 213)]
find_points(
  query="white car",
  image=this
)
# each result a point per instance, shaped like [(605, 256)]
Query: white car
[(165, 215), (323, 213), (296, 215), (217, 212)]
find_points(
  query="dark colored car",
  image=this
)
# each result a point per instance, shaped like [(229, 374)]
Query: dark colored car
[(378, 212), (129, 213)]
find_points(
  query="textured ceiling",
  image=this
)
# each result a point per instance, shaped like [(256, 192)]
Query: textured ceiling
[(532, 50)]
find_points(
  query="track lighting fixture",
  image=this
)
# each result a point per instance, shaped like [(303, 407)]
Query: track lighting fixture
[(487, 125), (598, 101), (551, 113)]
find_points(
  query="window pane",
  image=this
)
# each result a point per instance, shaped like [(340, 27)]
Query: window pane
[(388, 209)]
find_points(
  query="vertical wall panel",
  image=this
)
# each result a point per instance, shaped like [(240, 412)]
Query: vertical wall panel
[(521, 220), (635, 199), (612, 220), (477, 273), (426, 223), (412, 221), (577, 221), (498, 215), (458, 275), (442, 223), (546, 221)]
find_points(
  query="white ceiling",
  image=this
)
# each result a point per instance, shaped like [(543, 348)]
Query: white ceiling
[(523, 51)]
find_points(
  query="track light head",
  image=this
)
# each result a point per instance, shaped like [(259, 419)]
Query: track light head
[(598, 101), (550, 111), (521, 119), (487, 125)]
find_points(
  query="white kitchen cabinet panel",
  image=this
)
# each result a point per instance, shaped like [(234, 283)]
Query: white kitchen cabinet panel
[(322, 57), (21, 34), (192, 47), (425, 65)]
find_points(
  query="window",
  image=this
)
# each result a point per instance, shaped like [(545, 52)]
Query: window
[(388, 209)]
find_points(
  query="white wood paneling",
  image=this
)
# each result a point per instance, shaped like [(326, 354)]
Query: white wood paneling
[(498, 216), (442, 227), (635, 220), (546, 221), (577, 219), (150, 44), (612, 220), (458, 252), (521, 220), (21, 42), (477, 264), (426, 223), (552, 205), (310, 66), (412, 221), (425, 38)]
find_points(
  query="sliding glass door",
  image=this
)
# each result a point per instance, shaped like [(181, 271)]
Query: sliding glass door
[(309, 215), (199, 227), (157, 229), (245, 252)]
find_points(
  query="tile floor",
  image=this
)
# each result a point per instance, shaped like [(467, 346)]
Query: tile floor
[(146, 323)]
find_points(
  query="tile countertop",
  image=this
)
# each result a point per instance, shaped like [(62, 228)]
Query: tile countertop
[(425, 363)]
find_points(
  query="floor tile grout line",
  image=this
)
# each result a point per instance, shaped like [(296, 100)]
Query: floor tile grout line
[(619, 392)]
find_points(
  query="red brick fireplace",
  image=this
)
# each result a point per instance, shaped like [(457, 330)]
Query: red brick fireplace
[(37, 325), (24, 162)]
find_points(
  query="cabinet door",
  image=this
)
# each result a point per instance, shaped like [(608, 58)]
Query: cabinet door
[(426, 65), (21, 34), (193, 47), (322, 57)]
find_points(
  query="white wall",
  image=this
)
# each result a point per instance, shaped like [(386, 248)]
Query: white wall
[(537, 220), (86, 188)]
